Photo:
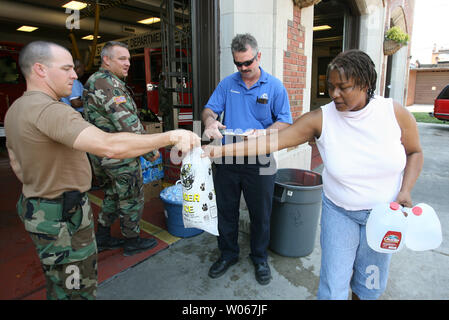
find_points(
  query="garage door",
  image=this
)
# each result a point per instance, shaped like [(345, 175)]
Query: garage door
[(429, 84)]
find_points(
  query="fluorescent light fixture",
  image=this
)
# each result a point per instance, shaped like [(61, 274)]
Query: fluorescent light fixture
[(321, 28), (90, 37), (75, 5), (149, 20), (27, 28)]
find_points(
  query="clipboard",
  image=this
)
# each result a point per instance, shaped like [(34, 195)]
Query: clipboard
[(232, 133)]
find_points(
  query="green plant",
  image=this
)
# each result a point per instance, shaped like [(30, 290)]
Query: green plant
[(396, 34), (425, 117)]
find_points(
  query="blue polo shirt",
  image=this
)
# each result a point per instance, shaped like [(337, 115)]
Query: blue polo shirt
[(77, 93), (255, 108)]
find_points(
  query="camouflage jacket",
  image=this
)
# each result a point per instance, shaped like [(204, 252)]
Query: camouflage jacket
[(109, 106)]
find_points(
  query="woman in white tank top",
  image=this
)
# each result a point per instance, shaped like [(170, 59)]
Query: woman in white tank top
[(371, 153)]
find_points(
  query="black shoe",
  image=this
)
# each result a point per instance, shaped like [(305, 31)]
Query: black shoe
[(136, 245), (263, 273), (105, 241), (220, 267)]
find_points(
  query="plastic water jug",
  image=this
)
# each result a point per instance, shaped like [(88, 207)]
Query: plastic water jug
[(386, 228), (424, 228)]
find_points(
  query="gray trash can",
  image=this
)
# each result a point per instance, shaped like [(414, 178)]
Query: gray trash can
[(295, 213)]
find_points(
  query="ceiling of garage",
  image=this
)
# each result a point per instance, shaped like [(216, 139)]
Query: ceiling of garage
[(118, 19), (116, 15), (331, 13)]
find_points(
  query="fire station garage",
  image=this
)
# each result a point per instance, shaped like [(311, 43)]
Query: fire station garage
[(165, 50), (158, 34)]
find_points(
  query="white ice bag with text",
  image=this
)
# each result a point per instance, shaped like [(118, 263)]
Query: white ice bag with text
[(199, 208)]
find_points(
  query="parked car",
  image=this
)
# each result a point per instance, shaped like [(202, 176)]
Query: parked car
[(441, 105)]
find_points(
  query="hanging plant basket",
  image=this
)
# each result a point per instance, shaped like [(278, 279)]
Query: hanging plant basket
[(391, 47), (305, 3), (395, 39)]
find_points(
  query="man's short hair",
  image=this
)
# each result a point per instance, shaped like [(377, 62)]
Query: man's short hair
[(36, 52), (241, 41), (107, 52)]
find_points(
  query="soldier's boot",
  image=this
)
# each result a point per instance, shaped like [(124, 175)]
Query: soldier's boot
[(105, 241), (136, 245)]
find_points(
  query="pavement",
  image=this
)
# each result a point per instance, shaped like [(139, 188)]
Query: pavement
[(180, 272), (420, 108)]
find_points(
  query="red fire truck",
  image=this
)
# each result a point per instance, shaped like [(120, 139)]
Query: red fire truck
[(144, 77)]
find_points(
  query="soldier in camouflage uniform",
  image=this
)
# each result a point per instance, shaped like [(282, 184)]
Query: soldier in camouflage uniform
[(53, 207), (109, 106), (47, 142)]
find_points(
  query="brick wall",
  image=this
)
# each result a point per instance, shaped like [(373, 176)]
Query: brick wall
[(295, 63)]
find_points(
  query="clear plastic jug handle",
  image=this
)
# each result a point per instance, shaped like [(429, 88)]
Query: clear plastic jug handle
[(408, 211)]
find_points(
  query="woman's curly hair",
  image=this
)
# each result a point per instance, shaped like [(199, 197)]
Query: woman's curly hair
[(357, 65)]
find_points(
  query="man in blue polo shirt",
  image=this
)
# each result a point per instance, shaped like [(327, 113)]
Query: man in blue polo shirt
[(252, 101), (74, 100)]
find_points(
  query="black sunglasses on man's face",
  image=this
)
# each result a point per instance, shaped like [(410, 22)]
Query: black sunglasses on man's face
[(245, 63)]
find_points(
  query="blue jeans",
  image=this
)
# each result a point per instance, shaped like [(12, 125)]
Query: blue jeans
[(346, 259)]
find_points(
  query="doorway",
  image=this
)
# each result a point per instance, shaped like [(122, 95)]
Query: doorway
[(335, 29)]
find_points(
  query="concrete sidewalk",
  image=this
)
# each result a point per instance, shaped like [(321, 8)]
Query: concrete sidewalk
[(420, 108), (180, 272)]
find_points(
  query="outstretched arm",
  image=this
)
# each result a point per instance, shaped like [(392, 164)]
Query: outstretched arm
[(302, 130), (128, 145)]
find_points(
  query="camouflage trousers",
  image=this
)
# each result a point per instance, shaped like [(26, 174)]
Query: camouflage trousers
[(124, 198), (65, 244)]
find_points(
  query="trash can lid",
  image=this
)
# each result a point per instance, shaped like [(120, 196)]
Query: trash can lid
[(172, 194), (298, 178)]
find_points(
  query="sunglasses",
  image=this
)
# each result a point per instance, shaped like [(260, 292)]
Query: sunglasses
[(245, 63)]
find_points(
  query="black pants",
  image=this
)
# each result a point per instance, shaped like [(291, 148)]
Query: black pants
[(230, 180)]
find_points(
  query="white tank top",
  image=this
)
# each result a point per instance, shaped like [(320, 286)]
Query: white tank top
[(362, 154)]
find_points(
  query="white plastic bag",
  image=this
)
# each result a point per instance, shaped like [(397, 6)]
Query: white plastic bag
[(199, 208)]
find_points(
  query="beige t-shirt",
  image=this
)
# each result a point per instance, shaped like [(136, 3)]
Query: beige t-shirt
[(41, 132)]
